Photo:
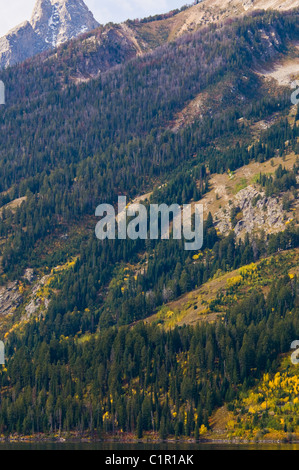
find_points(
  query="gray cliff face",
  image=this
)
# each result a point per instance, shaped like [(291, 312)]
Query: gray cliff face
[(57, 21), (53, 22)]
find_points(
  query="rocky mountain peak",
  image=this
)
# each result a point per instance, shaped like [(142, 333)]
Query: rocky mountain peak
[(52, 23), (58, 21)]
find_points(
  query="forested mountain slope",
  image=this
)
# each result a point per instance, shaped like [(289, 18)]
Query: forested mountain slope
[(80, 357)]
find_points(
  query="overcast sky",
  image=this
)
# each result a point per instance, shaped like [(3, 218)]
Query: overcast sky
[(13, 12)]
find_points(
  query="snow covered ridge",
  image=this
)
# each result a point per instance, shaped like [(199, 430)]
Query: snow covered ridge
[(52, 23)]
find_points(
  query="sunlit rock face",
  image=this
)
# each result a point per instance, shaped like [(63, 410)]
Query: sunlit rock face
[(53, 22)]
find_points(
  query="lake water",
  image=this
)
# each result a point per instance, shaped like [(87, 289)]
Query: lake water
[(102, 446)]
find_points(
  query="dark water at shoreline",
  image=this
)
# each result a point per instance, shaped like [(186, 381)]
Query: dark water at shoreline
[(102, 446)]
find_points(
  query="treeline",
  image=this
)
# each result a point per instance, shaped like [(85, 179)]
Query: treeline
[(160, 17)]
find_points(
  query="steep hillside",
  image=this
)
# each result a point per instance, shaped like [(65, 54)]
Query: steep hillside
[(269, 410), (206, 12), (55, 22), (52, 23), (192, 120), (216, 297), (143, 382), (72, 136)]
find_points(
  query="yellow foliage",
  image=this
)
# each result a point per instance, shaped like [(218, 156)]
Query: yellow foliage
[(106, 416), (249, 271), (169, 314), (234, 281), (203, 430), (230, 424), (21, 288)]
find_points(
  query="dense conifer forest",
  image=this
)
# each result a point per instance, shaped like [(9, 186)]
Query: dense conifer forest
[(142, 378)]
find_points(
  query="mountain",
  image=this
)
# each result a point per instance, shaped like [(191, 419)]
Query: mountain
[(141, 336), (212, 11), (153, 31), (112, 44), (53, 22)]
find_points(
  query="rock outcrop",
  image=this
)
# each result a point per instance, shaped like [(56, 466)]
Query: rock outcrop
[(255, 212), (53, 22), (10, 298)]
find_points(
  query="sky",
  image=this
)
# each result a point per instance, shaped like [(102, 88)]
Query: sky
[(14, 12)]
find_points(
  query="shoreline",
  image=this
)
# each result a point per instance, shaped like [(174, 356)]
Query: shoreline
[(72, 439)]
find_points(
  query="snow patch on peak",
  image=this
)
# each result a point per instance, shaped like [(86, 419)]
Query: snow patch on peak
[(53, 23), (58, 21)]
